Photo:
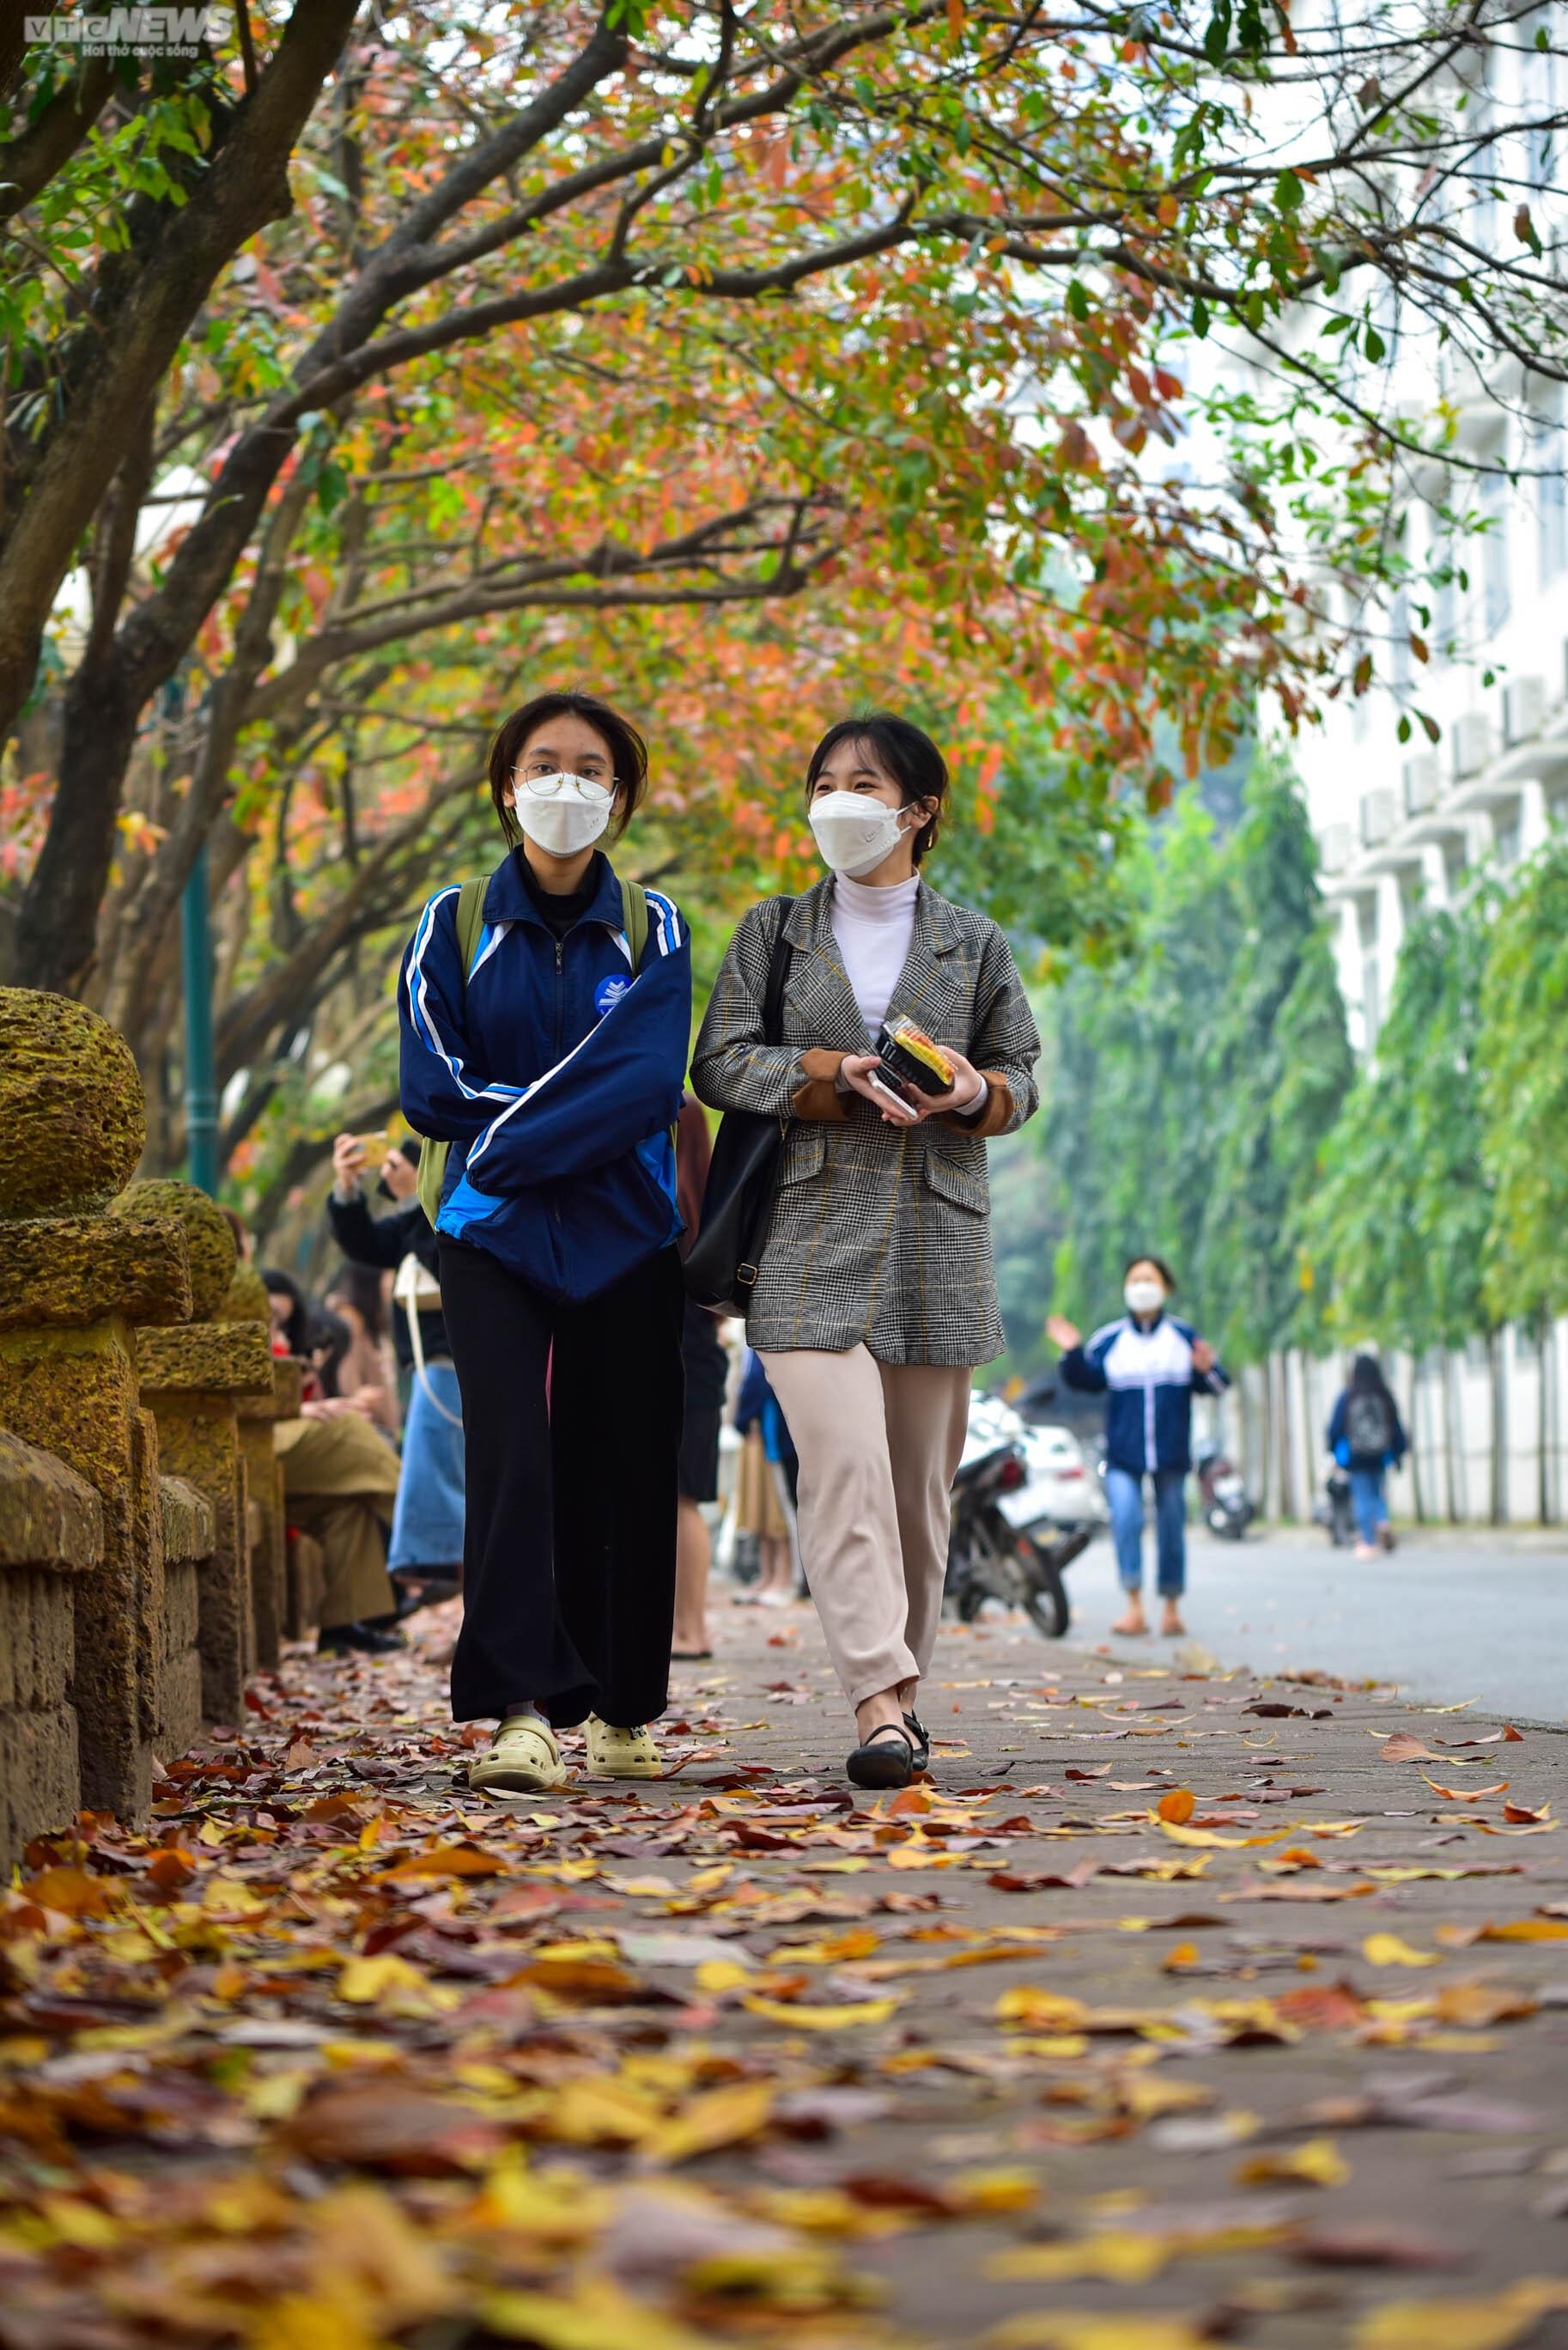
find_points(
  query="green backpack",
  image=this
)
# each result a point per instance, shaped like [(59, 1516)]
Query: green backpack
[(470, 923)]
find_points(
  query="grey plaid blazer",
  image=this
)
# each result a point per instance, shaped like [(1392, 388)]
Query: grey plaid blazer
[(880, 1234)]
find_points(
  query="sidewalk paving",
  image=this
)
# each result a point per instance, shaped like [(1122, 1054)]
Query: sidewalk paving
[(1040, 2052)]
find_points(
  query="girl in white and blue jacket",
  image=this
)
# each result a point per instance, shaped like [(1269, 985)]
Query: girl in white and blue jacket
[(1149, 1367), (553, 1067)]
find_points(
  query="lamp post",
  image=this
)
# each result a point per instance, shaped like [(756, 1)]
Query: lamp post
[(201, 1075)]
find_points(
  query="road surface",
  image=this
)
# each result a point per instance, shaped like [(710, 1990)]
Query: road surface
[(1449, 1616)]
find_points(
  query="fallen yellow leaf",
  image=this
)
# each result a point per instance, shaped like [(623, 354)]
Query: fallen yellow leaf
[(715, 2117), (1388, 1950), (1496, 2322), (1317, 2162), (822, 2019), (1085, 2329), (1208, 1840)]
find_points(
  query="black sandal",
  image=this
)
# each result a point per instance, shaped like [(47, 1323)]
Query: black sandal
[(879, 1763), (922, 1739)]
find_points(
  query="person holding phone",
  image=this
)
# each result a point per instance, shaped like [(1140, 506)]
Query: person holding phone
[(549, 1055), (875, 1294), (1149, 1367), (425, 1556)]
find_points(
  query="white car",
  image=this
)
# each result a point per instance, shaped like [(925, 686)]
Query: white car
[(1063, 1489)]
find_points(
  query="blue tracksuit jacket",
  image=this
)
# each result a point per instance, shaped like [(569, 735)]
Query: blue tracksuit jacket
[(554, 1072), (1150, 1382)]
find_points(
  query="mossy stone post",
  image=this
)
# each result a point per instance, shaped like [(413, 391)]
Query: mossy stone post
[(246, 1304), (75, 1284), (51, 1537), (194, 1379)]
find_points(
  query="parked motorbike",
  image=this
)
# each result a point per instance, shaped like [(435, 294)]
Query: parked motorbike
[(1228, 1508), (990, 1559)]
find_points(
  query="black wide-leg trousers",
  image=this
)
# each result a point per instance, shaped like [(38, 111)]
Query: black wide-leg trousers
[(569, 1574)]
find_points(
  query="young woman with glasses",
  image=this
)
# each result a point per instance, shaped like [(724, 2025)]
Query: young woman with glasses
[(554, 1068)]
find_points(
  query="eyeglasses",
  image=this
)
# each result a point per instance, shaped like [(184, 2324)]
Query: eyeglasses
[(545, 785)]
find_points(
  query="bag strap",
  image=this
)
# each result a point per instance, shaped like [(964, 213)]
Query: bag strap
[(780, 957), (470, 921), (634, 920)]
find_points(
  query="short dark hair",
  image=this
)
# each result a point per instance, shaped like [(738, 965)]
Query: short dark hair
[(1148, 1256), (908, 752), (628, 751)]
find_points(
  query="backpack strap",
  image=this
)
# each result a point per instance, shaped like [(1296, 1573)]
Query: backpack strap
[(432, 1154), (470, 921), (634, 920)]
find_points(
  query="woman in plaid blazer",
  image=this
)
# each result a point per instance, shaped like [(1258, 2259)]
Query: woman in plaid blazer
[(875, 1294)]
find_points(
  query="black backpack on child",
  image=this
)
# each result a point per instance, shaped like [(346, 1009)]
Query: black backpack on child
[(1368, 1424)]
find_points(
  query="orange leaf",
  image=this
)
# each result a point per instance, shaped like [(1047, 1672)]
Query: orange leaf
[(446, 1860), (70, 1891), (1176, 1806)]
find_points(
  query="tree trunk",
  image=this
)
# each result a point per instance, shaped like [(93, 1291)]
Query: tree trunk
[(1543, 1417), (1416, 1491), (1454, 1443), (147, 297), (1497, 1480)]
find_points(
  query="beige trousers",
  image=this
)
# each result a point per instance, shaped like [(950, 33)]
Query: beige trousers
[(878, 1444), (339, 1482)]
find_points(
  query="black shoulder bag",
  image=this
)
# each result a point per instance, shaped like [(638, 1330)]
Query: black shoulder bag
[(737, 1201)]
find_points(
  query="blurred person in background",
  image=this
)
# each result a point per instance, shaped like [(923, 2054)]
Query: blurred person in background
[(707, 1368), (367, 1372), (1149, 1367), (339, 1483), (426, 1552), (763, 1487), (1366, 1436), (290, 1313)]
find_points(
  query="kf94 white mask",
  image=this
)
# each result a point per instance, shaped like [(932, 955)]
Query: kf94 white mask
[(1144, 1296), (854, 833), (564, 813)]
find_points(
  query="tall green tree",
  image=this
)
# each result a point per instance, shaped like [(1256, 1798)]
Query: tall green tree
[(1191, 1087), (1127, 1162), (1396, 1230), (1523, 1052), (1277, 1068)]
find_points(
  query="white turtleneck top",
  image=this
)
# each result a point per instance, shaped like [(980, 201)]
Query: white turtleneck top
[(873, 927)]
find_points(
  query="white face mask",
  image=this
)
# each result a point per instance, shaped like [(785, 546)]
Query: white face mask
[(562, 814), (1144, 1296), (854, 832)]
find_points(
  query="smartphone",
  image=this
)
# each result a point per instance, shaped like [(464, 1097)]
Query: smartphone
[(879, 1085)]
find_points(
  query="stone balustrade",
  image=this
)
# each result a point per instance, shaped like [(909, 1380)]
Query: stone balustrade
[(144, 1564)]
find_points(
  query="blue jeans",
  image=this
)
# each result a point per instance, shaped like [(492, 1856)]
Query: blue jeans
[(1124, 1491), (427, 1519), (1366, 1499)]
